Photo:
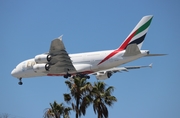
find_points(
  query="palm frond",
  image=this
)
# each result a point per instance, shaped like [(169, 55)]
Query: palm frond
[(69, 84), (73, 106), (110, 89), (67, 112), (48, 113), (102, 97), (86, 101), (67, 97), (104, 111)]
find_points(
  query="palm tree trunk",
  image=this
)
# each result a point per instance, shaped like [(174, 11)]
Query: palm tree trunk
[(99, 114), (76, 115), (77, 107)]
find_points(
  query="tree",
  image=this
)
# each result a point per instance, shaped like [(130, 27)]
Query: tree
[(79, 91), (5, 115), (102, 97), (57, 110)]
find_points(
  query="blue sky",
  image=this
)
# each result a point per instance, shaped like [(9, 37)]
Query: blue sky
[(27, 28)]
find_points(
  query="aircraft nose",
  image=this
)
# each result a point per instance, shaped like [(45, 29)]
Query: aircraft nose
[(14, 72)]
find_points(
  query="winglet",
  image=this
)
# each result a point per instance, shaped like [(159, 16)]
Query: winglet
[(60, 37), (150, 65)]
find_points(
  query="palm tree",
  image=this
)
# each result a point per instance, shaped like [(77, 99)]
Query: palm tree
[(79, 91), (57, 110), (102, 97)]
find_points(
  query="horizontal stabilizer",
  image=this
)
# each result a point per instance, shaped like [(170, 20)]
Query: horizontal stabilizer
[(131, 50), (155, 55)]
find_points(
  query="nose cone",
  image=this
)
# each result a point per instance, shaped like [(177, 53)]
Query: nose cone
[(14, 72)]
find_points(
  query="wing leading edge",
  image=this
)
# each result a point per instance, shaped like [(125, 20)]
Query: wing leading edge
[(60, 61)]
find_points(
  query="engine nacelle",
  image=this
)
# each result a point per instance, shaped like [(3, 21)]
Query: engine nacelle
[(43, 58), (103, 76), (41, 67)]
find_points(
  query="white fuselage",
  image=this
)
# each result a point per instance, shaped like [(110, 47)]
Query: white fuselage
[(83, 62), (57, 62)]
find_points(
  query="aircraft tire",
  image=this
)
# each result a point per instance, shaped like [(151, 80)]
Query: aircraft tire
[(20, 83), (87, 77), (109, 74), (66, 76)]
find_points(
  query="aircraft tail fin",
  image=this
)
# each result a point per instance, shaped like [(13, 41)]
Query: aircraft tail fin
[(138, 34), (132, 50)]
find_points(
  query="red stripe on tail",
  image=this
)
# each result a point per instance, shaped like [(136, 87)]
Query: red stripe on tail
[(122, 47)]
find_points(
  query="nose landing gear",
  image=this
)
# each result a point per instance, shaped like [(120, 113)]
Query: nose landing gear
[(20, 81)]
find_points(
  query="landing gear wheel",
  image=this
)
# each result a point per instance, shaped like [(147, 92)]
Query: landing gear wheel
[(109, 74), (88, 77), (69, 75), (66, 76), (20, 81), (83, 76)]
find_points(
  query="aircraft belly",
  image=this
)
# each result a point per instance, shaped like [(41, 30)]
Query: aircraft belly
[(130, 58), (117, 62), (82, 67)]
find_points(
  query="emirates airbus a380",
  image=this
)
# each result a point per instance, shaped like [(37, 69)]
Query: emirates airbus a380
[(102, 64)]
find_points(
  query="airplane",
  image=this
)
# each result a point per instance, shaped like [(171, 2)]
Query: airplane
[(102, 64)]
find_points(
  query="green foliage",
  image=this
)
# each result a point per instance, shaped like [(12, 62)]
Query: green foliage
[(80, 92), (102, 97), (82, 95), (57, 110)]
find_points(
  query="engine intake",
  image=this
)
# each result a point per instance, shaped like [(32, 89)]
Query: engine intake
[(103, 76), (43, 58), (41, 67)]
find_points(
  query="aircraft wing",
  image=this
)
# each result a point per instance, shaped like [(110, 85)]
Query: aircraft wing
[(155, 55), (135, 67), (126, 68), (104, 74), (60, 61)]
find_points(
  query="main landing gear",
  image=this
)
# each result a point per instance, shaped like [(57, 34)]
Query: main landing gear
[(67, 75), (78, 75), (83, 76), (20, 81)]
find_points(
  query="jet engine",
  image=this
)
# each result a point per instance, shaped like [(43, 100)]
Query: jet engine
[(43, 58), (41, 67), (103, 76)]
